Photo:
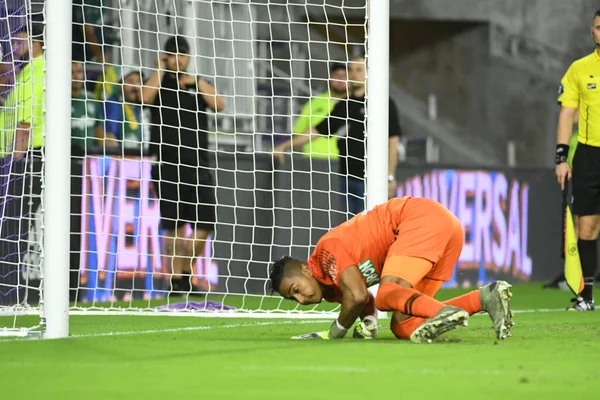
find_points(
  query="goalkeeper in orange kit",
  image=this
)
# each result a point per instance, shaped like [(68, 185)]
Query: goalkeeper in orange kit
[(409, 246)]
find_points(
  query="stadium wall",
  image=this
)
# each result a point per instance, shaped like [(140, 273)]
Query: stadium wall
[(511, 219)]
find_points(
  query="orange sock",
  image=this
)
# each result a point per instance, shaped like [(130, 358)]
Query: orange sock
[(403, 329), (393, 297), (469, 302)]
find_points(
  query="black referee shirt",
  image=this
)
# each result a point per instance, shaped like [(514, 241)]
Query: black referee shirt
[(350, 114), (179, 124)]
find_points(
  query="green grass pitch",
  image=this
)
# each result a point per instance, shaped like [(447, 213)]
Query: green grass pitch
[(551, 355)]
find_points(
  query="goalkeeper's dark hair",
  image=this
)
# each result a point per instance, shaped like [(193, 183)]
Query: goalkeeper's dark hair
[(280, 269), (597, 13)]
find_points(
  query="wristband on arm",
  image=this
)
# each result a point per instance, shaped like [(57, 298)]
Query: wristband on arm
[(562, 154), (337, 331)]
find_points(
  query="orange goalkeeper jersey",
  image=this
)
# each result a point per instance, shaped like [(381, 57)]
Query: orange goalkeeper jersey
[(363, 241)]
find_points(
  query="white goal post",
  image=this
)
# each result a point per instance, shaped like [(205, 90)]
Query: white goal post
[(119, 190)]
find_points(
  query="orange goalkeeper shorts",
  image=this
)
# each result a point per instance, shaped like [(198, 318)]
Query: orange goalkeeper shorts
[(427, 244)]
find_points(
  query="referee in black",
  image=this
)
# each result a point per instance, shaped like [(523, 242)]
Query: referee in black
[(179, 142), (580, 89)]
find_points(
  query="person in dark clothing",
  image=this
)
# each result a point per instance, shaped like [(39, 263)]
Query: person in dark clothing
[(347, 120), (179, 142)]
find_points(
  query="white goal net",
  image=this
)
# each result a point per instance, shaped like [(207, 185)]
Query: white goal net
[(21, 160), (177, 202)]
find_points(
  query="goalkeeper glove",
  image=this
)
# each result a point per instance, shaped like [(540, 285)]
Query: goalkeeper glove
[(336, 331), (367, 329), (314, 335)]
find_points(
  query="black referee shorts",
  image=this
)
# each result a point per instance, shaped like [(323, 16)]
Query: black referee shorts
[(586, 180), (186, 196)]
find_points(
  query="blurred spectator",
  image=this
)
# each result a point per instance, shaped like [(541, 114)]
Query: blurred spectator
[(124, 113), (21, 143), (87, 31), (6, 78), (182, 177), (87, 126), (318, 108), (347, 120), (22, 116), (108, 82)]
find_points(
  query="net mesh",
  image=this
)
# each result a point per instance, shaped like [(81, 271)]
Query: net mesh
[(177, 201), (21, 160)]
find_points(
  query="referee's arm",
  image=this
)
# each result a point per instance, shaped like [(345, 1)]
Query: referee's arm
[(568, 98), (566, 120), (564, 132)]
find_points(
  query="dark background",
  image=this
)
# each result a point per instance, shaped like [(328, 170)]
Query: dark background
[(259, 217)]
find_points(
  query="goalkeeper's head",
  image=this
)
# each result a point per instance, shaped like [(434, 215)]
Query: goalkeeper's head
[(294, 280)]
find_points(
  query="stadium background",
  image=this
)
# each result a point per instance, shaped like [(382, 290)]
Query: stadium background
[(475, 83)]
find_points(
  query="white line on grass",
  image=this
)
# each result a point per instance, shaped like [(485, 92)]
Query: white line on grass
[(243, 314), (197, 328), (185, 328), (229, 326), (253, 324), (204, 314), (541, 310)]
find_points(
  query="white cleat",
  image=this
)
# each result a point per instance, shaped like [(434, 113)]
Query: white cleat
[(495, 300), (446, 319)]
